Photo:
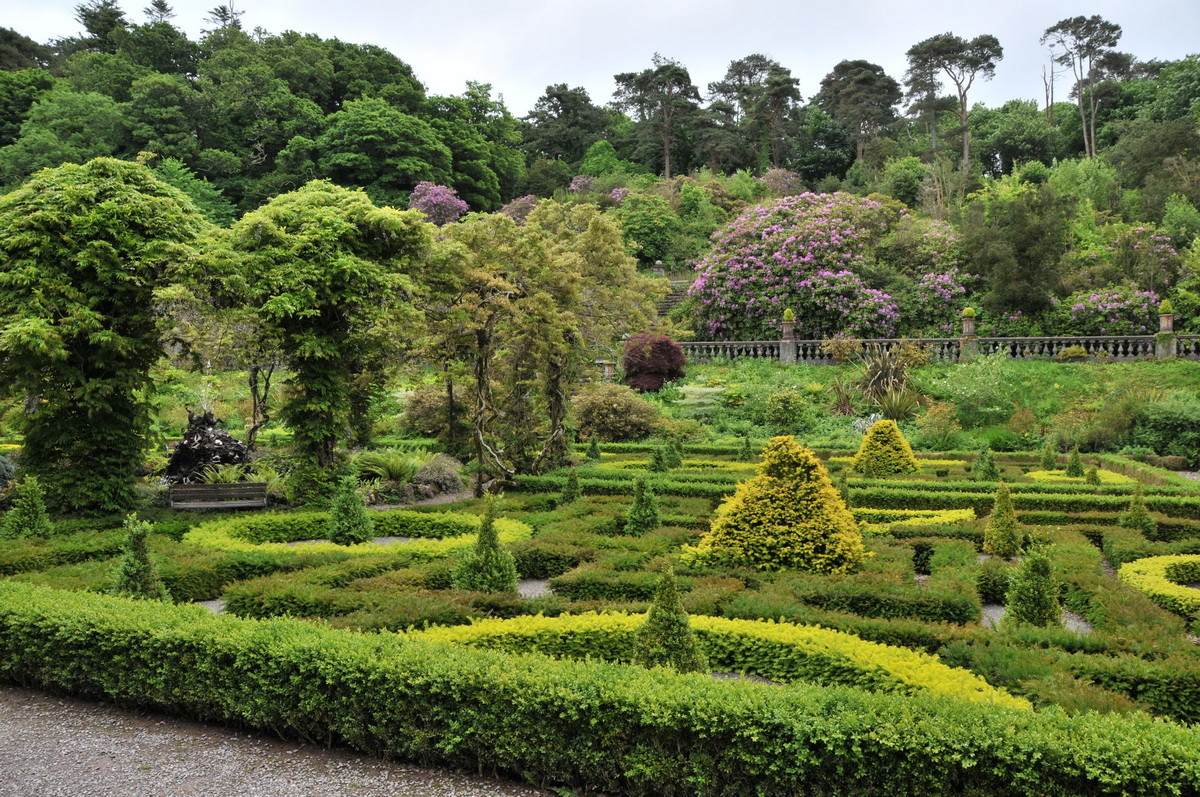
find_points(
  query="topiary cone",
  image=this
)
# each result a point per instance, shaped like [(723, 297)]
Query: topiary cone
[(884, 451), (666, 640), (1002, 534)]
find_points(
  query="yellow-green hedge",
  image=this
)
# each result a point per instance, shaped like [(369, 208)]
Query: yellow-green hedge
[(778, 651), (884, 451), (1160, 576), (880, 521), (444, 532), (1061, 477)]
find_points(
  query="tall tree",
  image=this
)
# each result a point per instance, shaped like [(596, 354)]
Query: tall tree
[(961, 61), (84, 252), (1085, 45), (663, 98), (862, 96), (563, 124), (21, 52), (760, 95)]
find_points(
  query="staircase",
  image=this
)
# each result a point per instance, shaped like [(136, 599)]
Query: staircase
[(676, 295)]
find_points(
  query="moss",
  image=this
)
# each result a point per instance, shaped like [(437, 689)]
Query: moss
[(884, 451)]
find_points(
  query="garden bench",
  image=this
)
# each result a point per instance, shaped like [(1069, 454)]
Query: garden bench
[(243, 495)]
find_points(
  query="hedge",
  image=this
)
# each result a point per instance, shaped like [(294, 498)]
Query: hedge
[(933, 498), (778, 651), (590, 726), (1162, 578)]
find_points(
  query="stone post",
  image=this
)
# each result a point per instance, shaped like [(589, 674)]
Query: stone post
[(1166, 342), (610, 370), (787, 343), (968, 343)]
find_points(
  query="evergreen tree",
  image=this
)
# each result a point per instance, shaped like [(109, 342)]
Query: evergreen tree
[(985, 466), (746, 452), (674, 453), (1032, 595), (666, 640), (488, 567), (572, 491), (643, 516), (884, 451), (28, 517), (1002, 534), (593, 450), (1137, 516), (843, 486), (1049, 456), (658, 461), (1092, 476), (1075, 464), (348, 522), (135, 575)]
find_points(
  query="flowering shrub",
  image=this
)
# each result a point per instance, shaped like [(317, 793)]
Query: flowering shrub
[(781, 182), (1111, 311), (617, 195), (802, 252), (439, 203), (934, 303), (581, 183), (520, 207), (919, 246)]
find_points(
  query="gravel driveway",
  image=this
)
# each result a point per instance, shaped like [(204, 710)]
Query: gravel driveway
[(61, 747)]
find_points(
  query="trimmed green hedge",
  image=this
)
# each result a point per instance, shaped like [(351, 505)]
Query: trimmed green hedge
[(588, 726)]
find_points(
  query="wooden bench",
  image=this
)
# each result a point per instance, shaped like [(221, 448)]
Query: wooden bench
[(243, 495)]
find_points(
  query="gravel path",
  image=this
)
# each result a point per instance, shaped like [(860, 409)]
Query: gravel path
[(533, 587), (61, 747)]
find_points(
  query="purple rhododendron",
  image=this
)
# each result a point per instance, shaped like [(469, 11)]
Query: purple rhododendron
[(439, 203), (581, 183), (520, 208)]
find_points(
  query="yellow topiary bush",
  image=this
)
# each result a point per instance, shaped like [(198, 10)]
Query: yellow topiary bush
[(789, 515), (884, 451)]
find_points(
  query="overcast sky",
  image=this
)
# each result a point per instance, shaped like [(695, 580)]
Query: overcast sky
[(521, 46)]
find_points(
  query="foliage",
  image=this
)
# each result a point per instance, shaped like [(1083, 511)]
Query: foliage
[(613, 413), (789, 515), (841, 347), (393, 465), (7, 471), (746, 451), (666, 639), (1049, 456), (84, 253), (1002, 534), (658, 461), (1163, 578), (572, 491), (441, 471), (1074, 465), (984, 466), (439, 203), (648, 226), (348, 521), (1137, 516), (650, 361), (884, 451), (1108, 311), (939, 427), (488, 567), (1032, 596), (520, 208), (593, 449), (135, 575), (644, 516), (28, 517)]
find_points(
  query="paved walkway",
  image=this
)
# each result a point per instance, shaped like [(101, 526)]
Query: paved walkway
[(61, 747)]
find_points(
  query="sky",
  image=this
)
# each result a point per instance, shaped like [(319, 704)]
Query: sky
[(522, 46)]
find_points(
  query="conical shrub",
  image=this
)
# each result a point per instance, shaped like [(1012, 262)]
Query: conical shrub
[(572, 491), (1137, 516), (746, 452), (658, 461), (789, 515), (884, 451), (135, 575), (843, 487), (487, 567), (1032, 596), (593, 449), (666, 639), (673, 454), (1092, 476), (644, 515), (984, 468), (28, 516), (1002, 534), (1075, 464), (349, 523), (1049, 456)]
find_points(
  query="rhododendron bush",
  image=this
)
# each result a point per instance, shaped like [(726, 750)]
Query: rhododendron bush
[(804, 252), (1108, 311)]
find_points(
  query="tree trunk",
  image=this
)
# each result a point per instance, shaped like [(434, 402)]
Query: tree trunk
[(555, 453), (260, 394), (451, 417), (666, 139), (966, 135)]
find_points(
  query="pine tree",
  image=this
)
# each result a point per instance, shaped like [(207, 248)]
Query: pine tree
[(746, 452), (666, 639), (488, 567), (674, 453), (1002, 534), (1032, 596), (658, 461), (135, 575), (348, 521), (1049, 456), (572, 491), (1137, 516), (593, 450), (985, 466), (28, 517), (1092, 476), (643, 516), (1075, 464)]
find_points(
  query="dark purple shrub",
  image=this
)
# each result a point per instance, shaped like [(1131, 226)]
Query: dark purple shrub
[(439, 203), (650, 361)]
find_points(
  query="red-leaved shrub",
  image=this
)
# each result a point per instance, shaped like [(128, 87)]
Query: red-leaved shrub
[(650, 361)]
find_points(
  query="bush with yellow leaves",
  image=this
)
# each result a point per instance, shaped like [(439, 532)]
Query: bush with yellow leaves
[(789, 515), (884, 451)]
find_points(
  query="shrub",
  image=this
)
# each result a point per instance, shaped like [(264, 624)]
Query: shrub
[(1075, 465), (644, 515), (1092, 476), (1109, 311), (1032, 596), (884, 451), (441, 471), (842, 348), (426, 413), (1071, 354), (789, 515), (439, 203), (571, 492), (674, 453), (1049, 456), (648, 225), (520, 208), (666, 638), (939, 427), (984, 466), (613, 413), (650, 361), (28, 517), (1002, 534), (348, 521), (488, 567), (135, 575), (1137, 517), (7, 471), (593, 449), (786, 410), (658, 461)]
